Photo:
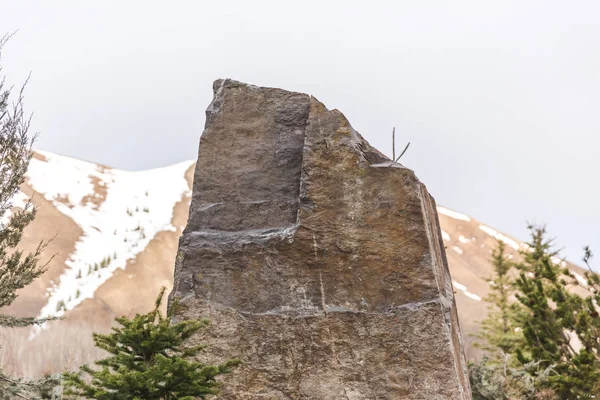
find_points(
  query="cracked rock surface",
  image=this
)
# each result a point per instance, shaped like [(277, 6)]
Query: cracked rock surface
[(317, 260)]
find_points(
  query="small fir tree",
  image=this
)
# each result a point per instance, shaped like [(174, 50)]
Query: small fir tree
[(148, 360), (560, 328), (556, 352), (498, 334)]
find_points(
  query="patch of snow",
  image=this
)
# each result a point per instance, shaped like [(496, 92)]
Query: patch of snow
[(497, 235), (581, 279), (559, 261), (19, 200), (463, 239), (138, 205), (63, 179), (445, 236), (573, 340), (452, 214), (463, 289), (170, 228), (457, 249), (472, 296)]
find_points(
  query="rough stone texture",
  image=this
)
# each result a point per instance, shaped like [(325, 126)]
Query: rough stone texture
[(317, 260)]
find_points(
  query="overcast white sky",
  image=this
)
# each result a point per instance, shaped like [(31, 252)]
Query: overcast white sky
[(501, 100)]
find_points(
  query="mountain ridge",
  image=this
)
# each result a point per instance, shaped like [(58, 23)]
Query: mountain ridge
[(115, 240)]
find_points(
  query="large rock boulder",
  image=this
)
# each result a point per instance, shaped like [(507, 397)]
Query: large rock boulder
[(317, 260)]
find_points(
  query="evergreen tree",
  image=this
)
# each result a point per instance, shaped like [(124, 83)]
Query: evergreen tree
[(550, 334), (560, 328), (148, 360), (17, 269), (499, 335)]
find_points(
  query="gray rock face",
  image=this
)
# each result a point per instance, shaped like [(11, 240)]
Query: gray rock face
[(317, 260)]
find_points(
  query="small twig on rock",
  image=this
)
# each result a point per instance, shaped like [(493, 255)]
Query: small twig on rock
[(394, 146)]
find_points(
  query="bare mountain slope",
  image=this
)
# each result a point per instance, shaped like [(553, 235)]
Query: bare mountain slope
[(115, 238)]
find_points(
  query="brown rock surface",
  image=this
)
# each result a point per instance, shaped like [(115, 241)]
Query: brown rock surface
[(318, 260)]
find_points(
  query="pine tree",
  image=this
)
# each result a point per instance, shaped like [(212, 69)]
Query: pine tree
[(498, 376), (560, 328), (148, 360), (17, 269), (552, 332), (499, 336)]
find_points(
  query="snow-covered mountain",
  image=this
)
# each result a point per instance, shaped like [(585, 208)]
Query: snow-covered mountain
[(119, 213), (115, 238)]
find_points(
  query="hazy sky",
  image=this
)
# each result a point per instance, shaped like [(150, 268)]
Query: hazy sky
[(501, 100)]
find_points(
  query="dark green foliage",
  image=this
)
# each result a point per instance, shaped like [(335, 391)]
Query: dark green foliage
[(148, 360), (560, 327), (60, 306), (559, 330)]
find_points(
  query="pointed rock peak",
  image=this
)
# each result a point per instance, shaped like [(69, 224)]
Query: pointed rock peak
[(321, 258)]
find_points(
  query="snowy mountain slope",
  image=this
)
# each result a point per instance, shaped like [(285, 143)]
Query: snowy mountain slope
[(115, 242), (119, 213)]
